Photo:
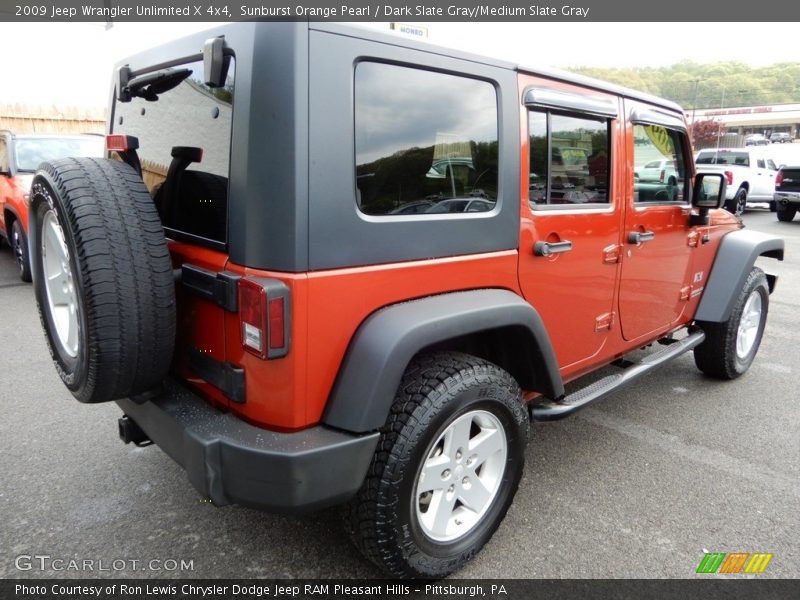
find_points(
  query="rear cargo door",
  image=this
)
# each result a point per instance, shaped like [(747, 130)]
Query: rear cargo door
[(184, 141)]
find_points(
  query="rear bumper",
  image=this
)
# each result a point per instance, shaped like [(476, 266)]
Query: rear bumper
[(787, 198), (230, 461)]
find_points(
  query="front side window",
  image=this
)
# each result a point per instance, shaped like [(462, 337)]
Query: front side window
[(426, 142), (659, 172), (184, 137), (569, 160)]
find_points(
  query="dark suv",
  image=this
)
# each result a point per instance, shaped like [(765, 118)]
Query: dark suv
[(780, 137), (242, 277), (787, 192)]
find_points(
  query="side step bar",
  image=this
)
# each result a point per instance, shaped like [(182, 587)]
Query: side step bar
[(554, 410)]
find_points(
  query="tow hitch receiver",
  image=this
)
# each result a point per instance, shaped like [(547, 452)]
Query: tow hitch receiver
[(129, 432)]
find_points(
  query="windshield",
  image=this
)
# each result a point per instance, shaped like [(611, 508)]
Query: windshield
[(30, 152)]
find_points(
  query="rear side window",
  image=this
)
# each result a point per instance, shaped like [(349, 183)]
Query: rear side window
[(426, 142), (175, 128), (569, 160), (723, 157)]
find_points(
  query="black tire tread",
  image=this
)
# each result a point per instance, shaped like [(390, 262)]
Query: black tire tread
[(427, 378), (715, 356), (125, 273), (785, 215), (25, 271)]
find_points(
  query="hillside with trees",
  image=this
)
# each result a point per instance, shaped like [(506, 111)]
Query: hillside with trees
[(743, 85)]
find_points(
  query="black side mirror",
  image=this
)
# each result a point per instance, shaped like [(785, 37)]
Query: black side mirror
[(708, 192)]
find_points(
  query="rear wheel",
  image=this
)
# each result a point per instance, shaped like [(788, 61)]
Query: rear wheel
[(19, 246), (102, 278), (730, 347), (446, 469), (786, 213)]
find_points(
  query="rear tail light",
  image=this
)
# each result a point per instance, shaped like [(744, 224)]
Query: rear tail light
[(264, 317), (729, 177), (661, 177), (277, 331), (779, 179)]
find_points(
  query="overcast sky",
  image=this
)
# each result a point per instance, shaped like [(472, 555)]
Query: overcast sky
[(70, 64)]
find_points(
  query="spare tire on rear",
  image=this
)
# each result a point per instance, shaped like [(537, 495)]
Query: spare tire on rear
[(102, 278)]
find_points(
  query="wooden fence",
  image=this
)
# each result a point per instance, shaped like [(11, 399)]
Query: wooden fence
[(21, 118)]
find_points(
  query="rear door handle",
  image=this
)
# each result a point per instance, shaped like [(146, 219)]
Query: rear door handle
[(549, 248), (637, 237)]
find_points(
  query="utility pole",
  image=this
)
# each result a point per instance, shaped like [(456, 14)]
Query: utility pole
[(694, 110), (721, 106)]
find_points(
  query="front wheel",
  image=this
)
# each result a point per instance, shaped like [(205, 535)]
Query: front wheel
[(19, 246), (446, 468), (738, 203), (730, 347)]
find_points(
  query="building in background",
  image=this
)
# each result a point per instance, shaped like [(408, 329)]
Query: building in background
[(744, 120)]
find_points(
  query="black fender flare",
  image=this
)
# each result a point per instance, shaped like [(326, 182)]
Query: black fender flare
[(388, 339), (735, 258), (6, 222)]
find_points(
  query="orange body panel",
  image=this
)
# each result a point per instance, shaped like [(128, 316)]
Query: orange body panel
[(327, 309), (200, 323), (12, 198)]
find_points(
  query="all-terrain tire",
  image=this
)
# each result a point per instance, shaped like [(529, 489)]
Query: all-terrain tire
[(738, 203), (102, 277), (19, 246), (438, 392), (786, 213), (730, 347)]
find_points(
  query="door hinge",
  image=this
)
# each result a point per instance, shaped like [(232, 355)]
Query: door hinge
[(693, 239), (604, 322), (611, 254), (686, 293), (224, 376), (220, 288)]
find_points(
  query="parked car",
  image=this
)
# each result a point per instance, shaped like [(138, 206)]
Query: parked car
[(20, 155), (750, 174), (412, 208), (780, 137), (267, 321), (662, 171), (756, 139), (787, 192)]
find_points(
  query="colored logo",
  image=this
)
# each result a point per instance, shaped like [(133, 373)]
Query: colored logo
[(734, 562)]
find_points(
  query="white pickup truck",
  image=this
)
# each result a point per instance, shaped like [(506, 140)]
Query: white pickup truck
[(749, 171)]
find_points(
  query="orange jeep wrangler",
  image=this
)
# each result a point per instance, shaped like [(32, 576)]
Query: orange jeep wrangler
[(327, 266)]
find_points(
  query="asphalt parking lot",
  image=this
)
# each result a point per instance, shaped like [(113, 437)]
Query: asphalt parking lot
[(640, 485)]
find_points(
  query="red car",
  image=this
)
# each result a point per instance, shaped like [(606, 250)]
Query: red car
[(20, 155)]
